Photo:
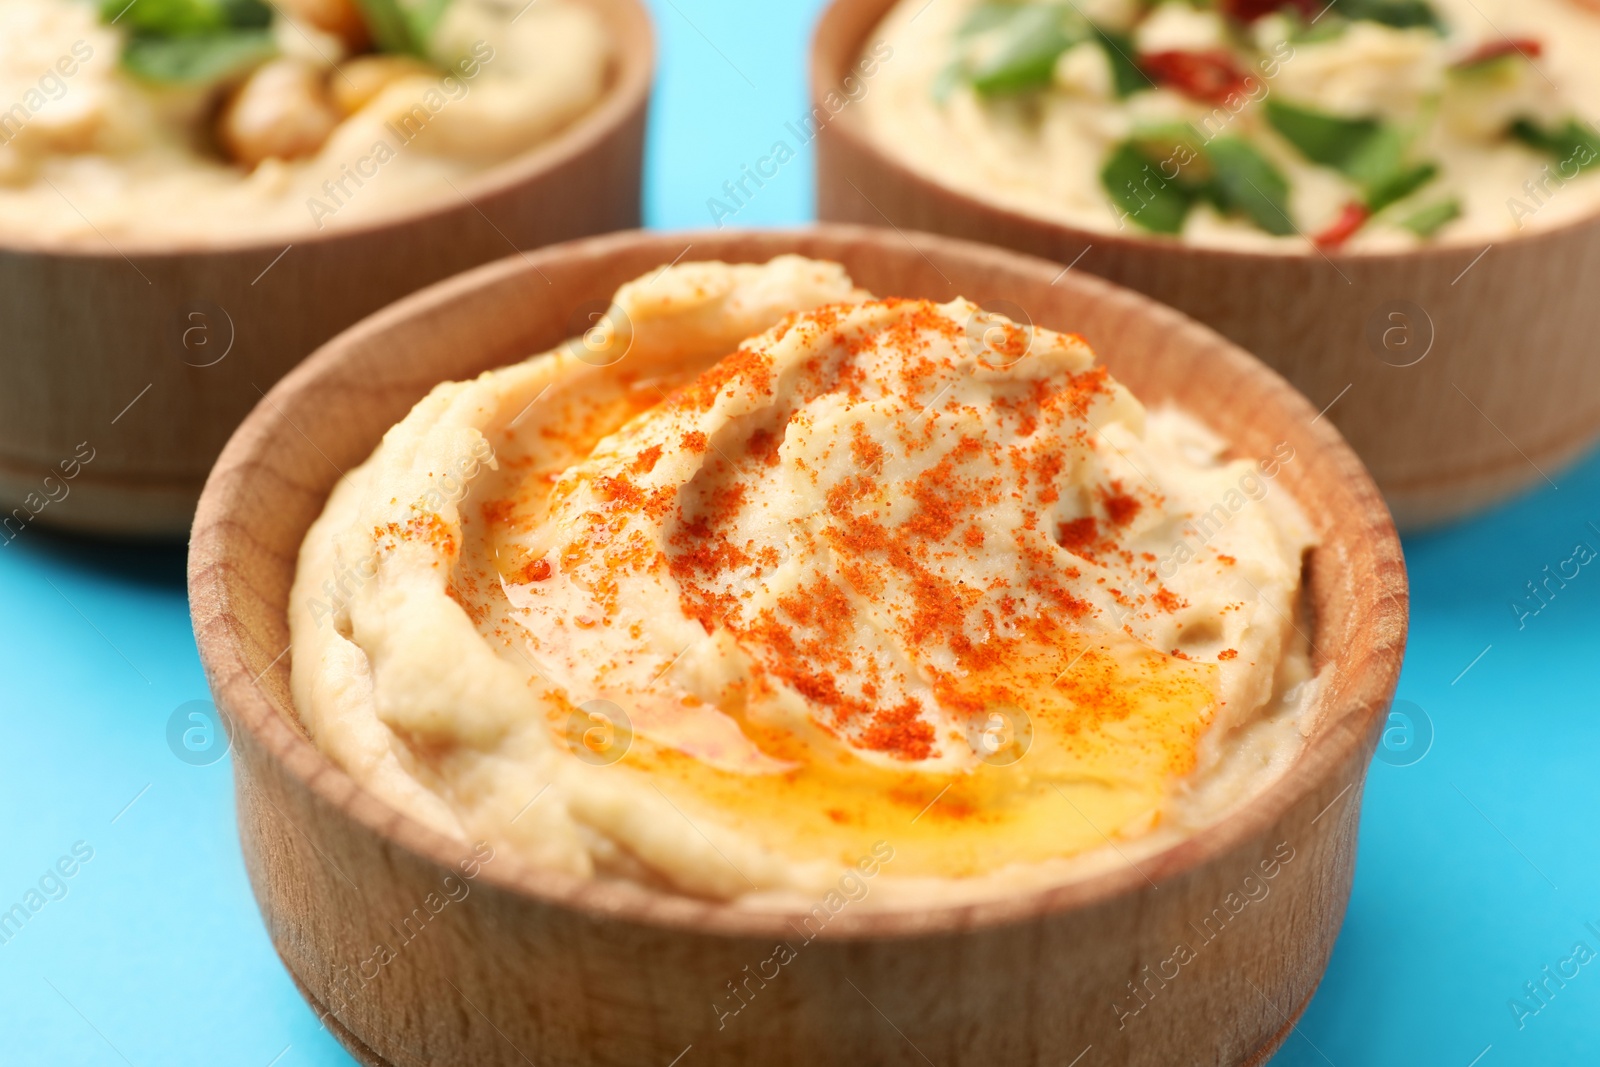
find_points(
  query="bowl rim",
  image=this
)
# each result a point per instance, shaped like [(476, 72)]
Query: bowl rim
[(244, 704), (831, 53), (628, 89)]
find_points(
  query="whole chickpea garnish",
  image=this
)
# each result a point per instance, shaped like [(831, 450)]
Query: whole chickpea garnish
[(361, 79), (339, 17), (281, 111)]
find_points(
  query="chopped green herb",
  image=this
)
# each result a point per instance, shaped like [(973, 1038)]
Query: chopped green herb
[(1427, 221), (1126, 77), (945, 82), (1321, 138), (1573, 142), (1033, 39), (1368, 152), (1401, 14), (404, 26), (1380, 158), (1177, 149), (191, 42), (986, 17), (1136, 185), (1399, 185), (181, 18), (197, 59), (1324, 29), (1245, 182)]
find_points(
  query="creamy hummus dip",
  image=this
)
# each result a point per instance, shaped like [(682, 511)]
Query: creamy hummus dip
[(111, 131), (762, 579), (1367, 125)]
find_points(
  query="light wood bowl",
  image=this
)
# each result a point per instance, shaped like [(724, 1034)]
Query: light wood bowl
[(1508, 393), (535, 967), (91, 329)]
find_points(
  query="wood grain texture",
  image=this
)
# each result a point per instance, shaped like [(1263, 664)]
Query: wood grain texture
[(544, 968), (91, 328), (1508, 393)]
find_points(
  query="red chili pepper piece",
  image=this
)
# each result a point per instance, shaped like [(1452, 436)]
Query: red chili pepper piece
[(1211, 75), (1350, 219), (1250, 10), (1531, 47)]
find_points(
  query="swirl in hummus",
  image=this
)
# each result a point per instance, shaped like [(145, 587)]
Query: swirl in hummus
[(762, 576)]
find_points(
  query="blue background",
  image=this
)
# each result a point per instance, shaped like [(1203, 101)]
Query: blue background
[(1477, 865)]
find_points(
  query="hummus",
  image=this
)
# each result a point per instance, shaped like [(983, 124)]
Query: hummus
[(1276, 125), (92, 150), (762, 578)]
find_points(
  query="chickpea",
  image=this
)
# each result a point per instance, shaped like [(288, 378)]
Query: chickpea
[(363, 78), (339, 17), (282, 111)]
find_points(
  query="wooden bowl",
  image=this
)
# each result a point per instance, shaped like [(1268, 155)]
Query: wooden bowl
[(1505, 390), (546, 968), (143, 357)]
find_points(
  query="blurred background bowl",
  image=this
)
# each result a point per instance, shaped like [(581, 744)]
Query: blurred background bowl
[(143, 357), (1461, 374), (541, 967)]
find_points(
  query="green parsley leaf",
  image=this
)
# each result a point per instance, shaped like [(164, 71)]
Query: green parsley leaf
[(1572, 142), (197, 59), (1427, 221), (986, 17), (403, 26), (1126, 77), (1136, 186), (1325, 29), (181, 18), (1400, 14), (1321, 138), (1399, 185), (945, 82), (1245, 182), (1032, 40), (1368, 152)]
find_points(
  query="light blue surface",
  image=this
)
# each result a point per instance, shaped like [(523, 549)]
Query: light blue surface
[(1478, 865)]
